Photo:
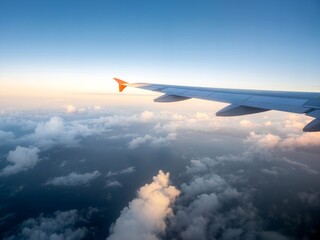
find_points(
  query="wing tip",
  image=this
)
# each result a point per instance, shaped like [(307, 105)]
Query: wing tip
[(122, 84)]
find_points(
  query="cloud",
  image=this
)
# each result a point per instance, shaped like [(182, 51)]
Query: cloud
[(300, 165), (200, 165), (202, 185), (16, 191), (270, 171), (71, 109), (56, 132), (151, 141), (264, 140), (311, 199), (113, 184), (305, 140), (247, 124), (199, 121), (6, 137), (210, 208), (147, 116), (74, 179), (62, 225), (126, 120), (121, 172), (145, 216), (22, 159), (291, 142)]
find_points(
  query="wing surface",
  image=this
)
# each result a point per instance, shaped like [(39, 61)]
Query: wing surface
[(241, 101)]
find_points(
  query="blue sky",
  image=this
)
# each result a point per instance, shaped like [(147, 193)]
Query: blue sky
[(258, 44)]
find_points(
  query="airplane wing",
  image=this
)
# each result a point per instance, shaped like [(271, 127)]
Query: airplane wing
[(241, 101)]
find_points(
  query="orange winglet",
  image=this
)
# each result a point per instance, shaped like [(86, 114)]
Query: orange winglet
[(122, 84)]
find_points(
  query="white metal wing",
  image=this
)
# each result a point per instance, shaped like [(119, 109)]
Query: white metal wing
[(241, 101)]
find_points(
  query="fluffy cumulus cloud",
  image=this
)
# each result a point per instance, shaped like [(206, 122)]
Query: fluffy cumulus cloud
[(62, 225), (145, 216), (151, 141), (74, 179), (264, 140), (291, 141), (56, 132), (21, 159), (305, 140)]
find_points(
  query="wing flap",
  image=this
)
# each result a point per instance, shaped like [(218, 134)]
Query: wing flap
[(236, 110), (313, 126), (315, 114), (170, 98)]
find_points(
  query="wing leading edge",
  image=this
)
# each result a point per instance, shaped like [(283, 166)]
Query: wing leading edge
[(241, 101)]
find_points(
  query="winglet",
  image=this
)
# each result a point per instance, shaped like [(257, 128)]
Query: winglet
[(122, 84)]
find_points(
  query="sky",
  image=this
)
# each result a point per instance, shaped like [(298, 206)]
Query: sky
[(78, 160), (78, 46)]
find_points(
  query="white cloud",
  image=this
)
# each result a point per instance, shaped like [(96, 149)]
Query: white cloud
[(22, 159), (113, 184), (56, 132), (62, 225), (289, 142), (144, 218), (199, 121), (300, 165), (268, 123), (304, 140), (74, 179), (200, 165), (247, 124), (71, 109), (121, 172), (147, 116), (203, 184), (264, 140), (151, 141), (126, 120)]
